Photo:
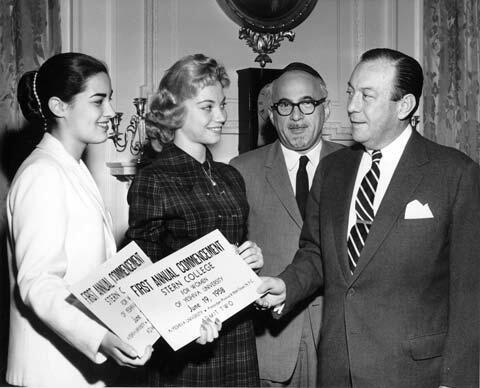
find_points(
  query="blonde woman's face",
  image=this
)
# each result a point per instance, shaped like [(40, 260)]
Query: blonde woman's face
[(205, 116)]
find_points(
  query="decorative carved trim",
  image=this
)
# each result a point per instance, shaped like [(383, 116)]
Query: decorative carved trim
[(418, 51), (174, 28), (391, 18), (358, 29), (111, 16), (339, 57), (230, 127), (111, 38), (150, 46), (337, 132), (66, 24), (75, 25), (264, 43), (154, 41)]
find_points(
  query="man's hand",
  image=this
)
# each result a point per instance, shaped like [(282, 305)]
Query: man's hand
[(274, 292), (251, 253)]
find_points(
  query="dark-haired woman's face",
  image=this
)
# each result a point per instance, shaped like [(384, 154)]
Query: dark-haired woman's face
[(205, 116), (88, 116)]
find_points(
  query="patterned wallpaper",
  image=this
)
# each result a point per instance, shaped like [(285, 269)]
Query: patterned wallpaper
[(451, 67)]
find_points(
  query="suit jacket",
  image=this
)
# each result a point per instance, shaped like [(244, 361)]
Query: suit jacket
[(274, 224), (59, 231), (408, 317)]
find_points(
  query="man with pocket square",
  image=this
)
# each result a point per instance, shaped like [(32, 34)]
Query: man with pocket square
[(396, 248)]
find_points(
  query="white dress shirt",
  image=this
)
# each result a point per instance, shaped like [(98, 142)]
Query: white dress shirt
[(292, 162), (391, 154)]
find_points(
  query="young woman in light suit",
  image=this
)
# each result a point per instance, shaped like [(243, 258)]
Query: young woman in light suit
[(59, 230)]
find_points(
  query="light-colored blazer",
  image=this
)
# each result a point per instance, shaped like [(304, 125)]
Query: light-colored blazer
[(274, 224), (59, 231)]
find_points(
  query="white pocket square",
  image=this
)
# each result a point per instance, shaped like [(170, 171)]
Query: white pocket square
[(415, 210)]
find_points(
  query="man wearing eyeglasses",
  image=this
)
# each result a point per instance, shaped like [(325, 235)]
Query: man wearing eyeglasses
[(278, 177)]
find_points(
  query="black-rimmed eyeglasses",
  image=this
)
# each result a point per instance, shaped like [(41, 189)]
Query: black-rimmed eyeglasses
[(307, 107)]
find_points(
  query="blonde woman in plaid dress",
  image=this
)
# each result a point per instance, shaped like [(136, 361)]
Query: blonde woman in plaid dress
[(182, 195)]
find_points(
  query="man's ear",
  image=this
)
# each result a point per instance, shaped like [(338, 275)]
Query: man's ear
[(405, 106), (57, 106), (326, 107), (270, 114)]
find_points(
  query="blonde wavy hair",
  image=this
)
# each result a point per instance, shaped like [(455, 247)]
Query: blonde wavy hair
[(182, 81)]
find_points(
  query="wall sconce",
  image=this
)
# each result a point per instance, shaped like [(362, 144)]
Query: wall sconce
[(134, 138)]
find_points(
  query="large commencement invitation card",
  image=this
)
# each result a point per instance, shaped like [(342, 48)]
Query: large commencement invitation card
[(139, 301), (101, 293), (206, 279)]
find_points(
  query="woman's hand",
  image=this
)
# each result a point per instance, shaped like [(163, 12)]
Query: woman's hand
[(251, 253), (124, 355), (209, 331)]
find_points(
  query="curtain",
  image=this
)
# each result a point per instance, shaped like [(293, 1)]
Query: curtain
[(29, 34), (452, 65)]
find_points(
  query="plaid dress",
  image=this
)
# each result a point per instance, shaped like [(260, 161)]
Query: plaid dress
[(173, 202)]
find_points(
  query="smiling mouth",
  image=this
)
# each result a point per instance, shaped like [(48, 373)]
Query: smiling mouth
[(105, 125), (215, 129)]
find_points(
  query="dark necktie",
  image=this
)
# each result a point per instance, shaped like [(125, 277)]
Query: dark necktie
[(301, 187), (364, 211)]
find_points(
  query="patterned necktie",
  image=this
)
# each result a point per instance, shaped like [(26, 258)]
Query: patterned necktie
[(301, 186), (364, 211)]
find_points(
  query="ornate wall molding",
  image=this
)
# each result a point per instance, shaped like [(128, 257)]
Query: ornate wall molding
[(161, 29), (358, 29), (392, 22), (152, 45)]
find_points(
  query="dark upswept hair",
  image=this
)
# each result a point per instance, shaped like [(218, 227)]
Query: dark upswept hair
[(408, 76), (180, 82), (63, 75)]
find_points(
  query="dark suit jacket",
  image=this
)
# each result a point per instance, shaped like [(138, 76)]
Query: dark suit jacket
[(409, 316), (274, 223)]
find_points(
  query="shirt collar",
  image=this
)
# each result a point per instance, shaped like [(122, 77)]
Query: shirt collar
[(291, 156), (174, 159), (396, 147), (52, 145)]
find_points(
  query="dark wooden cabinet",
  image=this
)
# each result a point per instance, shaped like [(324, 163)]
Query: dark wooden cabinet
[(250, 82)]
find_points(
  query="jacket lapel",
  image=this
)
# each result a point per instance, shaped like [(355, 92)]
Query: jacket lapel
[(276, 175), (91, 191), (80, 177), (404, 182)]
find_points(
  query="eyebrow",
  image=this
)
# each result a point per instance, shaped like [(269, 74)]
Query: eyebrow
[(98, 95), (211, 101), (104, 95), (363, 89), (301, 98)]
